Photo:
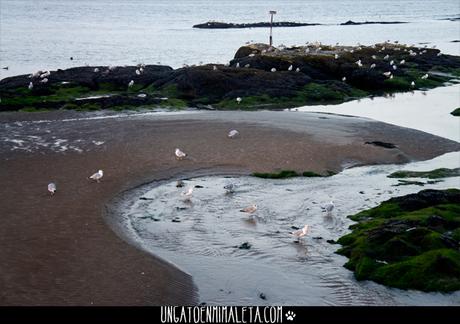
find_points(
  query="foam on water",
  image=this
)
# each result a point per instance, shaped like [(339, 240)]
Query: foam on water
[(203, 236)]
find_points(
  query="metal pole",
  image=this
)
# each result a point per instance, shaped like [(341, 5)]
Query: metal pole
[(271, 26)]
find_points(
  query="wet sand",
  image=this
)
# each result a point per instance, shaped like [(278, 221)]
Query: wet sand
[(60, 250)]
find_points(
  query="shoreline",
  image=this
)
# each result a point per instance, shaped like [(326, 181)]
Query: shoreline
[(86, 262)]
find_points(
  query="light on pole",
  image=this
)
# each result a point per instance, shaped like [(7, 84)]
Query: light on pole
[(271, 12)]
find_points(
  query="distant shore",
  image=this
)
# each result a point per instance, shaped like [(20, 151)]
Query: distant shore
[(60, 251)]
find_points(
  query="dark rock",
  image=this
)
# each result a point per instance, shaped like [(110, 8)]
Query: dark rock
[(262, 296), (318, 238), (331, 241), (382, 144), (245, 246), (145, 198), (199, 186), (352, 23), (222, 25), (176, 220)]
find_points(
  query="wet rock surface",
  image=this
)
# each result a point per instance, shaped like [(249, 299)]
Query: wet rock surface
[(408, 242), (261, 77)]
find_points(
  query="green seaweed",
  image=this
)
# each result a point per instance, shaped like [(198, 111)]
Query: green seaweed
[(407, 242), (433, 174)]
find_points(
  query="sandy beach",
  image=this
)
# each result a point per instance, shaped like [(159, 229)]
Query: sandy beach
[(61, 251)]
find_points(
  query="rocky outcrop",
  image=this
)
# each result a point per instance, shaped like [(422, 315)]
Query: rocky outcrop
[(408, 242), (262, 77), (223, 25)]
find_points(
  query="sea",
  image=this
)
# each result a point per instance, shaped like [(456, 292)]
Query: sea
[(46, 34)]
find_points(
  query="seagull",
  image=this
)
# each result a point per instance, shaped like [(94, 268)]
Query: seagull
[(52, 188), (424, 76), (392, 62), (238, 100), (329, 207), (247, 65), (233, 133), (373, 65), (188, 194), (344, 79), (238, 64), (31, 86), (386, 57), (290, 68), (394, 67), (336, 56), (273, 70), (230, 188), (214, 68), (179, 154), (359, 63), (402, 62), (387, 74), (44, 80), (138, 72), (96, 70), (297, 70), (301, 232), (374, 57), (97, 176), (250, 209), (412, 84), (131, 83)]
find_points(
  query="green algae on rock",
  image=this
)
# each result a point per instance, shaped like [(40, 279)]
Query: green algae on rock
[(408, 242), (263, 77), (433, 174)]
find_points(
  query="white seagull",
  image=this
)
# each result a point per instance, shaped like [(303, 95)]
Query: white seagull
[(424, 76), (273, 70), (230, 188), (96, 70), (233, 133), (297, 70), (179, 154), (412, 84), (138, 72), (31, 86), (250, 209), (386, 57), (373, 65), (290, 68), (188, 193), (97, 176), (329, 207), (52, 188), (301, 232), (344, 79), (238, 100), (131, 83), (336, 56), (387, 74), (402, 62)]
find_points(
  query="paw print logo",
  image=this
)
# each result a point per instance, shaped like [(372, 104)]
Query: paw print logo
[(290, 315)]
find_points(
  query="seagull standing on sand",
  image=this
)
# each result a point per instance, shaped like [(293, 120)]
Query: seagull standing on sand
[(233, 133), (97, 176), (238, 100), (250, 209), (179, 154), (301, 232), (52, 188)]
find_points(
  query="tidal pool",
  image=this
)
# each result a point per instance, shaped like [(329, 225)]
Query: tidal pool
[(203, 236)]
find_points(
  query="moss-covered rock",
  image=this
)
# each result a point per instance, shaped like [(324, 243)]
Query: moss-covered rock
[(284, 174), (408, 242), (433, 174), (263, 77)]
